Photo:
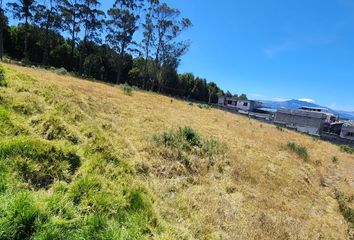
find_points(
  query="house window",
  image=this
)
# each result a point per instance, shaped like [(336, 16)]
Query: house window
[(229, 102), (350, 134), (245, 104), (235, 103)]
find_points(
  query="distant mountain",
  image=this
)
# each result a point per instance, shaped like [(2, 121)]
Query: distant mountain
[(296, 104)]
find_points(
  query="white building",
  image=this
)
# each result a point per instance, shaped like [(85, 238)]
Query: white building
[(239, 104)]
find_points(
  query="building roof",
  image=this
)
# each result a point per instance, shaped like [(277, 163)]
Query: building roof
[(348, 124), (238, 99)]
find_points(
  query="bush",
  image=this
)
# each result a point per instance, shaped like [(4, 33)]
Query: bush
[(190, 135), (186, 146), (128, 90), (204, 106), (37, 162), (347, 212), (299, 150), (347, 149), (3, 82), (61, 71)]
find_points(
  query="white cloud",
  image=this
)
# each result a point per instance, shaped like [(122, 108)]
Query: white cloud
[(257, 95), (278, 99), (309, 100)]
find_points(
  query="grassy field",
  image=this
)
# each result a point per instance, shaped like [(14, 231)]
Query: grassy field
[(86, 160)]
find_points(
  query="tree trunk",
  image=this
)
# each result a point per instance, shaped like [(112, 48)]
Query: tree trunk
[(26, 40), (120, 64), (1, 41), (2, 27)]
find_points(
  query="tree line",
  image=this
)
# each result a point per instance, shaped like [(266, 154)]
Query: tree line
[(137, 42)]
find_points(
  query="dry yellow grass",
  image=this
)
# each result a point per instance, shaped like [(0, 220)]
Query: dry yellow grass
[(263, 191)]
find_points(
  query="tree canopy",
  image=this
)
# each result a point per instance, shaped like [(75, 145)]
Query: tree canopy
[(138, 42)]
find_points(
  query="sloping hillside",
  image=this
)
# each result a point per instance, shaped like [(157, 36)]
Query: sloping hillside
[(86, 160)]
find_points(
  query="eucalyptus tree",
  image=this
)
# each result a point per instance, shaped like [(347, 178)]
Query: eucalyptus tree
[(168, 50), (122, 23), (71, 14), (3, 24), (149, 36), (23, 10), (47, 16), (92, 22)]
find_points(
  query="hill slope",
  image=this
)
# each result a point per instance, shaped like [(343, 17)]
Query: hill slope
[(83, 160)]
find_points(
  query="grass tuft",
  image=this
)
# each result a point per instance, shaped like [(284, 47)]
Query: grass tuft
[(127, 89), (188, 147), (346, 149), (299, 150)]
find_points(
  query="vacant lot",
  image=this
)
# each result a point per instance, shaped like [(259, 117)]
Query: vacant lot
[(82, 159)]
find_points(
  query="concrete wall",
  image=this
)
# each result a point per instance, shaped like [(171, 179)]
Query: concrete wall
[(245, 105), (303, 121), (347, 132)]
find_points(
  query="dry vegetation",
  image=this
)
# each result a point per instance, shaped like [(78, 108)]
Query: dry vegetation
[(93, 161)]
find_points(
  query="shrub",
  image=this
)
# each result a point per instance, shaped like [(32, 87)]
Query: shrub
[(347, 149), (204, 106), (279, 128), (299, 150), (37, 162), (190, 135), (61, 71), (187, 146), (347, 212), (128, 90), (3, 82)]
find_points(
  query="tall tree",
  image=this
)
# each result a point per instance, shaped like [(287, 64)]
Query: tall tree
[(48, 18), (168, 28), (149, 32), (3, 24), (92, 21), (122, 23), (23, 10), (71, 12)]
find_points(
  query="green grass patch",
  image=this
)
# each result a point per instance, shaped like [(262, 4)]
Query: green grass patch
[(346, 149), (299, 150), (37, 162)]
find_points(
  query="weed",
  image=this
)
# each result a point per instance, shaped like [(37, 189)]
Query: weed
[(279, 128), (61, 71), (3, 82), (204, 106), (347, 212), (335, 160), (346, 149), (128, 90), (188, 147), (299, 150)]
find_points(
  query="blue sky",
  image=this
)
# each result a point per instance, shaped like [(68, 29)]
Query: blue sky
[(291, 49), (275, 50)]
